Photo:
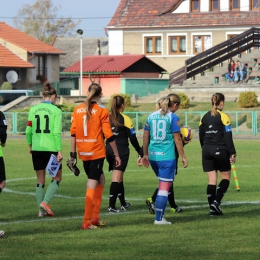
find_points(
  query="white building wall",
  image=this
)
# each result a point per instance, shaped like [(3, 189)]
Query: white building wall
[(244, 5), (116, 43), (184, 7), (204, 5), (49, 68)]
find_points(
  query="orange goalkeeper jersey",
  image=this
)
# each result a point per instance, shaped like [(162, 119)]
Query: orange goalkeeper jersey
[(90, 137)]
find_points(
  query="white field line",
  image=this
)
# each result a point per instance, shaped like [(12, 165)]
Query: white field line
[(46, 219)]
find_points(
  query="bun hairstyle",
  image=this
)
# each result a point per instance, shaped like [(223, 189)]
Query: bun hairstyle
[(95, 91), (215, 101), (117, 103), (169, 101), (48, 90)]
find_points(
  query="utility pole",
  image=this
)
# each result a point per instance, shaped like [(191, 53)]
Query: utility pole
[(99, 49)]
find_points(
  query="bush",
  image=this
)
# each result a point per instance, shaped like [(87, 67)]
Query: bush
[(247, 99), (6, 86), (185, 101), (126, 97)]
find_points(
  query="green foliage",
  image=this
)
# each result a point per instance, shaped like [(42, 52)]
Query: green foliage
[(126, 97), (6, 86), (41, 21), (247, 99), (185, 101)]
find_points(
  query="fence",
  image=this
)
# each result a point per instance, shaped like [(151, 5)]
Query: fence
[(243, 122)]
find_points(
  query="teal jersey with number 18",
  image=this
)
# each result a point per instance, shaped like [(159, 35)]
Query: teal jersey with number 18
[(44, 127)]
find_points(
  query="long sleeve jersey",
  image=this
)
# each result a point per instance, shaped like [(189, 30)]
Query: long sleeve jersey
[(44, 127), (90, 135), (216, 130)]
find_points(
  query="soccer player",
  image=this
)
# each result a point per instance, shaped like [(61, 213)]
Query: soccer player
[(161, 131), (171, 196), (123, 130), (218, 151), (90, 124), (3, 137), (43, 134)]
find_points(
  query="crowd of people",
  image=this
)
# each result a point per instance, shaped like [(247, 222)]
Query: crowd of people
[(97, 134), (237, 71)]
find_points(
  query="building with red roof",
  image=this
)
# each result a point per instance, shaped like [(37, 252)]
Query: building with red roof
[(172, 31), (128, 74), (30, 59)]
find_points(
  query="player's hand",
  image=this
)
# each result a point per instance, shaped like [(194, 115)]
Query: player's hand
[(71, 163), (59, 156), (118, 161), (184, 162), (232, 159), (139, 161), (73, 158), (145, 161)]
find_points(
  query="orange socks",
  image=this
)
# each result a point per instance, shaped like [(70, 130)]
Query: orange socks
[(89, 205), (97, 201)]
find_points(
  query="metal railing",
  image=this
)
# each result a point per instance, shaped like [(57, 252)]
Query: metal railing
[(243, 122)]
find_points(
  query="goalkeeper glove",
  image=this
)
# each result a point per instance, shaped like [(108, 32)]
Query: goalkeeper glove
[(71, 163)]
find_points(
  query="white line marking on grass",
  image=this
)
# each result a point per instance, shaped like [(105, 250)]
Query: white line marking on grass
[(47, 219)]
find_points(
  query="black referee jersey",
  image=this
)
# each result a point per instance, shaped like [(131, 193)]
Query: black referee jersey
[(124, 132), (216, 130)]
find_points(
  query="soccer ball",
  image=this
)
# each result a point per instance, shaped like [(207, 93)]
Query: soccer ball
[(186, 134)]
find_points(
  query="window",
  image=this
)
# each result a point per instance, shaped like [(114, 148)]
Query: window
[(229, 36), (41, 66), (254, 4), (153, 45), (195, 5), (201, 43), (234, 5), (214, 5), (177, 45)]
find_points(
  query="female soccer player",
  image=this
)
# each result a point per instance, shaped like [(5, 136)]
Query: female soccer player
[(3, 137), (43, 134), (123, 130), (218, 151), (161, 131), (90, 124)]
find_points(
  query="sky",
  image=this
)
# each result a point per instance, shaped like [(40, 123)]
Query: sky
[(94, 14)]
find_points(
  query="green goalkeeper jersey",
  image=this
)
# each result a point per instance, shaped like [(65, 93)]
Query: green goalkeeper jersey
[(44, 126)]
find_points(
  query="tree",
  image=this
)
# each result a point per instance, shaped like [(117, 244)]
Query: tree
[(41, 21)]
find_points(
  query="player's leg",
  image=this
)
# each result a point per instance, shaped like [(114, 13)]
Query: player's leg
[(223, 165), (165, 172), (98, 201), (2, 183)]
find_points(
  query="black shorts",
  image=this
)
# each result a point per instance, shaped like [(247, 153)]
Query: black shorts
[(2, 169), (215, 159), (94, 168), (41, 158), (123, 152)]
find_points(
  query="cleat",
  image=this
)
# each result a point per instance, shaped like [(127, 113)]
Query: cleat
[(43, 214), (113, 210), (98, 223), (84, 226), (46, 208), (213, 213), (126, 206), (177, 210), (162, 222), (2, 233), (150, 204), (216, 207)]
